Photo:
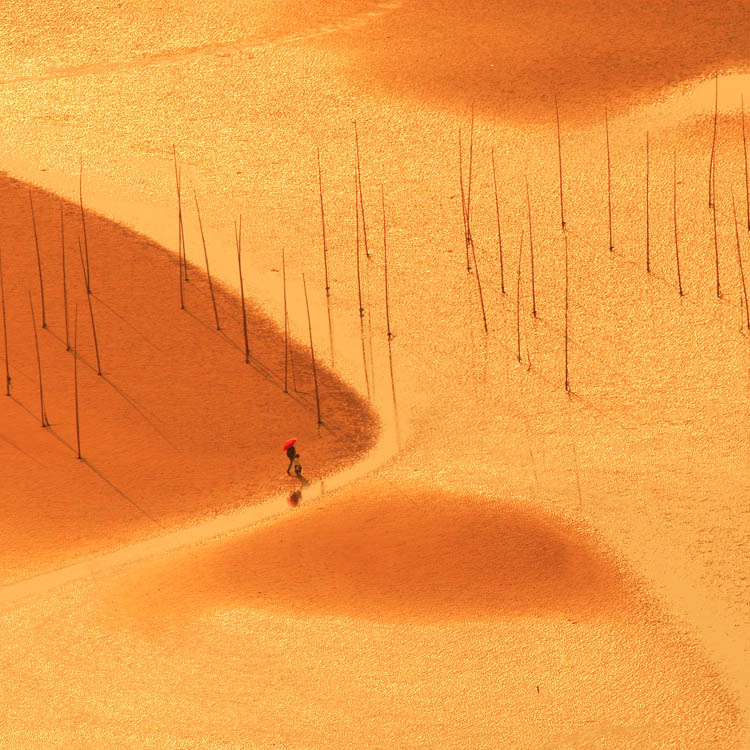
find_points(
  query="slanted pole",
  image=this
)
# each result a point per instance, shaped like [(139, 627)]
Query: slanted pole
[(499, 232), (648, 218), (91, 311), (75, 380), (479, 286), (716, 236), (83, 223), (609, 181), (744, 151), (45, 422), (38, 259), (5, 327), (567, 306), (518, 300), (359, 186), (739, 260), (312, 352), (359, 275), (208, 270), (531, 246), (385, 261), (712, 162), (471, 166), (559, 160), (323, 225), (676, 244), (467, 233), (65, 284), (238, 240)]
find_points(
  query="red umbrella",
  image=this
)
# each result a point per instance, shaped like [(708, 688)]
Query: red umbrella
[(288, 443)]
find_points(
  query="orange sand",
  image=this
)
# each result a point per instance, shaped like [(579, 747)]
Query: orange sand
[(529, 567), (175, 429)]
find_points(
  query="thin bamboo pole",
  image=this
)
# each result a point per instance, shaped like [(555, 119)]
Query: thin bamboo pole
[(359, 280), (325, 259), (83, 223), (609, 181), (238, 240), (648, 218), (567, 305), (744, 151), (182, 238), (518, 300), (716, 236), (65, 285), (323, 225), (499, 232), (312, 352), (45, 422), (676, 244), (38, 259), (385, 261), (359, 275), (479, 286), (712, 163), (531, 246), (91, 311), (179, 227), (5, 327), (471, 166), (75, 380), (286, 323), (205, 256), (467, 233), (361, 199), (559, 159), (739, 260)]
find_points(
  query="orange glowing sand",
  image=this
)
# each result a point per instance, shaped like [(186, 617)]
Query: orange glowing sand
[(525, 567), (176, 428)]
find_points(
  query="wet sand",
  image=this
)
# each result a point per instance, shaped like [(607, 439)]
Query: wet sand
[(530, 567)]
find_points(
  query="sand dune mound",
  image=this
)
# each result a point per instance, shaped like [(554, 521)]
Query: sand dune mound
[(390, 555), (513, 57)]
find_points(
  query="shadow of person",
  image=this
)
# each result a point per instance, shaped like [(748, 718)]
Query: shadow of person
[(302, 480)]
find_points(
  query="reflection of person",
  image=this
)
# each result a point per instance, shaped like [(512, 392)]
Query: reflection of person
[(294, 498), (291, 453), (297, 465)]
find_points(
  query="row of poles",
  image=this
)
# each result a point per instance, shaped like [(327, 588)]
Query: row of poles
[(83, 252), (361, 233), (361, 241), (466, 194), (183, 277)]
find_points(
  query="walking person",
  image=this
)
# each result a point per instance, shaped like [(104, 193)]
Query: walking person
[(291, 452)]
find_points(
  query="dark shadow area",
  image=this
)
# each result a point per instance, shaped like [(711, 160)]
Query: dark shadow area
[(511, 57), (380, 554)]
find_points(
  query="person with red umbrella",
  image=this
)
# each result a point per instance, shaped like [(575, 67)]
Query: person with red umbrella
[(291, 452)]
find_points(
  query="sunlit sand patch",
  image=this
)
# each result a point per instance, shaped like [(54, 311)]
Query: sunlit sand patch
[(268, 32), (389, 555)]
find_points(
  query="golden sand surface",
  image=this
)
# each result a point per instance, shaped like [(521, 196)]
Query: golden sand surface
[(529, 567), (177, 428)]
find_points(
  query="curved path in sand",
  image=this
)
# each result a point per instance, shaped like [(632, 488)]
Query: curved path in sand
[(569, 560)]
